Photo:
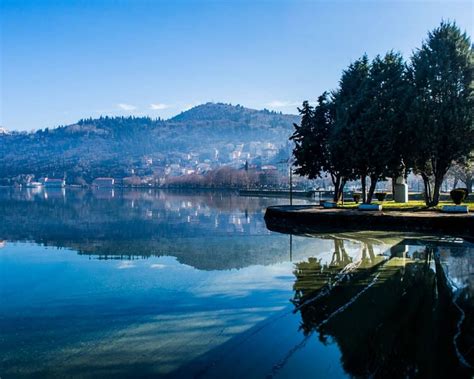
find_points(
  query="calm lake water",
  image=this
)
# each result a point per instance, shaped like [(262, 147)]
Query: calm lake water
[(182, 285)]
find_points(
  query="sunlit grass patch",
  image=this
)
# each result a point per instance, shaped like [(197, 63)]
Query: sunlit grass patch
[(412, 205)]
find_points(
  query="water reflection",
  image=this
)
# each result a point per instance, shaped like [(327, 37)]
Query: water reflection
[(407, 313), (170, 284), (108, 224)]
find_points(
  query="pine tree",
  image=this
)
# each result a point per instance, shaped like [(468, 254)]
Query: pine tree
[(306, 161), (441, 74), (383, 120), (351, 102), (317, 148)]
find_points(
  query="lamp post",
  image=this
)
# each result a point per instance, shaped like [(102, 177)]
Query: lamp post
[(291, 183), (290, 162)]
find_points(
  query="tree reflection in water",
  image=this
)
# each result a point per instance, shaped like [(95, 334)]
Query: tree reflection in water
[(397, 315)]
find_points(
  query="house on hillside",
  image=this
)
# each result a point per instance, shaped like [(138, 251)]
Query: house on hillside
[(173, 169), (103, 182)]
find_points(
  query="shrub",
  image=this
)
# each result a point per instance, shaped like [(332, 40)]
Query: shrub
[(380, 196), (458, 195), (356, 197)]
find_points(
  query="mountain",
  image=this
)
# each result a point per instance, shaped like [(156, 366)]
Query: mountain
[(202, 138), (226, 112)]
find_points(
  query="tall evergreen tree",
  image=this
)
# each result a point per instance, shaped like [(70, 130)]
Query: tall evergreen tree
[(306, 154), (441, 74), (339, 163), (314, 153), (382, 146), (351, 102)]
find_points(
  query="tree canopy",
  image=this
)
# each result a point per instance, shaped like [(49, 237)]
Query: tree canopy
[(387, 117), (442, 104)]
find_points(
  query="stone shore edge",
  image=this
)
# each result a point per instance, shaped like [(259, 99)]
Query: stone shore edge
[(307, 219)]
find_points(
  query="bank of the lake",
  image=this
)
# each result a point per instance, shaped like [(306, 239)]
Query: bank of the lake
[(285, 218)]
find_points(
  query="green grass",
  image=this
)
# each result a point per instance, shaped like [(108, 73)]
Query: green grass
[(412, 205)]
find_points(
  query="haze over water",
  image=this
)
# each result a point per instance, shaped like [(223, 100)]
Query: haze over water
[(192, 284)]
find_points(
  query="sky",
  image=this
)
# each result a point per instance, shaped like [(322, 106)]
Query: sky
[(61, 61)]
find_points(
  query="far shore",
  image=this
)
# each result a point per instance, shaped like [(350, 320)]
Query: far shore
[(284, 191)]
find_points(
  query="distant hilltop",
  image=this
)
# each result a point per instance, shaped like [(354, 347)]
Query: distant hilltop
[(195, 141), (221, 111)]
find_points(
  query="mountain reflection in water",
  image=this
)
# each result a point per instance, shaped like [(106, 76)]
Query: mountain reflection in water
[(112, 224), (145, 283)]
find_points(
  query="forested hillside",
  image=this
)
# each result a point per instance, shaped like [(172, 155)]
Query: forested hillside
[(201, 138)]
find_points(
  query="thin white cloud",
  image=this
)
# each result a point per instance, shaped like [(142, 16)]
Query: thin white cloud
[(127, 107), (159, 106), (282, 104)]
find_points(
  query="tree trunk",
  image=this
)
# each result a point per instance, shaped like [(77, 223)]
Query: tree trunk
[(469, 180), (437, 189), (364, 190), (336, 181), (455, 183), (427, 188), (373, 183), (341, 189)]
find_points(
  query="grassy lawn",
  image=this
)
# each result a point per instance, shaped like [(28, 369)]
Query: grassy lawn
[(412, 205)]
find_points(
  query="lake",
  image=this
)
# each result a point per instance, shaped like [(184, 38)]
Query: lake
[(112, 283)]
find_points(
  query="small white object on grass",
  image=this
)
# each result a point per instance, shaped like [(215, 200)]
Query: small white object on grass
[(370, 207)]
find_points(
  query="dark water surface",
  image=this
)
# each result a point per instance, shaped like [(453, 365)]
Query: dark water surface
[(167, 284)]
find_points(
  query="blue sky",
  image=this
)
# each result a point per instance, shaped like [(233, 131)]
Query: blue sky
[(64, 60)]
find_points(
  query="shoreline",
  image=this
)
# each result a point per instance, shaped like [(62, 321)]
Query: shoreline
[(312, 219)]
